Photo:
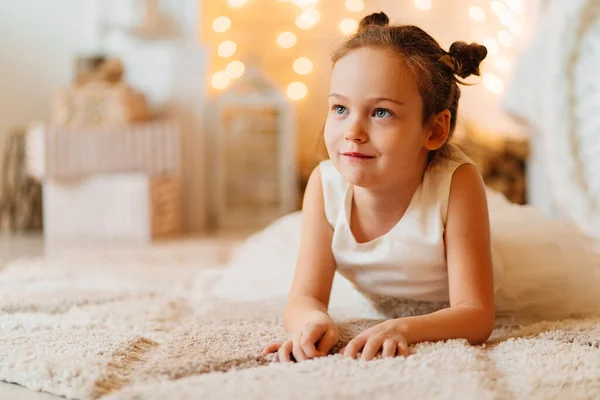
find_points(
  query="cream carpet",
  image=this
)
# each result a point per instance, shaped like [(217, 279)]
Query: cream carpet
[(152, 325)]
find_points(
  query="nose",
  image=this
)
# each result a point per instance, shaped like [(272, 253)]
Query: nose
[(355, 132)]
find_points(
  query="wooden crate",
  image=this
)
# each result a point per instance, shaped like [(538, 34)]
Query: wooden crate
[(119, 207)]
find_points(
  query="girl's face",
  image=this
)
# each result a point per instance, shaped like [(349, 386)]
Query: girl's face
[(374, 132)]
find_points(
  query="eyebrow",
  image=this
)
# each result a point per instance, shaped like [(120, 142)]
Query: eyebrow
[(374, 99)]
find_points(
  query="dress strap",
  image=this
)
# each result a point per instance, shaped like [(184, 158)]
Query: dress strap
[(334, 189)]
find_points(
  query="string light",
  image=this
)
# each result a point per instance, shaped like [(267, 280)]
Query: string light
[(297, 91), (516, 28), (506, 18), (220, 80), (300, 23), (236, 3), (515, 6), (305, 4), (227, 49), (498, 8), (221, 24), (286, 40), (493, 83), (476, 13), (308, 19), (303, 66), (235, 69), (505, 38), (423, 5), (505, 10), (355, 5), (492, 46), (503, 64), (349, 26)]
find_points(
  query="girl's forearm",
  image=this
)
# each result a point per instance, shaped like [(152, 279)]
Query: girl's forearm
[(472, 323), (302, 309)]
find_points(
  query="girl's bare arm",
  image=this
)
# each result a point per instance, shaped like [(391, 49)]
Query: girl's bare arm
[(315, 268)]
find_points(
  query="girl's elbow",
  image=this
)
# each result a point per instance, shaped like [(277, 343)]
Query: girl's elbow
[(484, 330), (480, 337)]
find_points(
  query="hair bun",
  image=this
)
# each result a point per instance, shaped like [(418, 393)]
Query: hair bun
[(464, 59), (379, 19)]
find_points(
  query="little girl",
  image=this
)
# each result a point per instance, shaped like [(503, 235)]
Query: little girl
[(403, 214)]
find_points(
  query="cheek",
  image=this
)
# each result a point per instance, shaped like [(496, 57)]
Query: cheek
[(330, 133), (400, 144)]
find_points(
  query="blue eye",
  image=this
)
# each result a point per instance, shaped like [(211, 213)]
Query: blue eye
[(382, 113), (341, 110)]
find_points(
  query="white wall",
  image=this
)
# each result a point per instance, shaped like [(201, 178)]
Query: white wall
[(38, 41)]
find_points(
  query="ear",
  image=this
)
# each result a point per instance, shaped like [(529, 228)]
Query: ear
[(439, 129)]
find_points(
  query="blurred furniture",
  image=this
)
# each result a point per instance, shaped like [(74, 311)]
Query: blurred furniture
[(162, 53), (108, 183), (501, 160), (62, 152), (108, 173), (21, 195), (556, 94), (135, 207), (255, 155), (98, 97)]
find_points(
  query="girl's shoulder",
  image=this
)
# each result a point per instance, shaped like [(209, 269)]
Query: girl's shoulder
[(455, 158), (438, 179)]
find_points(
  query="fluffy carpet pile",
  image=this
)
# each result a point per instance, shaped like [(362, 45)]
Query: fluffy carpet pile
[(152, 326)]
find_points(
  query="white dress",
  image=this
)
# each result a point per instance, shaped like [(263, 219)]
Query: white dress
[(541, 267)]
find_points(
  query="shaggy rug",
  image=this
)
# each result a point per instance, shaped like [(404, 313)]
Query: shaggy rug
[(163, 324)]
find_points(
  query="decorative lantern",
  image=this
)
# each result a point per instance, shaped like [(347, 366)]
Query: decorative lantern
[(256, 179)]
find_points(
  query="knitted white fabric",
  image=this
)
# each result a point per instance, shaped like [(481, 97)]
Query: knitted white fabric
[(556, 91)]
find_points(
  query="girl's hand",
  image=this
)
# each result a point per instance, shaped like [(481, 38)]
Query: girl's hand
[(314, 340), (386, 337)]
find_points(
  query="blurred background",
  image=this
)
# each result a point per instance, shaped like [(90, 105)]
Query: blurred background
[(133, 120)]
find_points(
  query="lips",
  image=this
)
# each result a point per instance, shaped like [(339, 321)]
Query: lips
[(357, 155)]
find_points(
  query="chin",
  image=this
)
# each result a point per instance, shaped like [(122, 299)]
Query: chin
[(357, 175)]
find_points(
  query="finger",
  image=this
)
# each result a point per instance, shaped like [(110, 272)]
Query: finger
[(285, 351), (355, 346), (297, 349), (390, 347), (371, 348), (403, 349), (310, 336), (327, 342), (272, 348)]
